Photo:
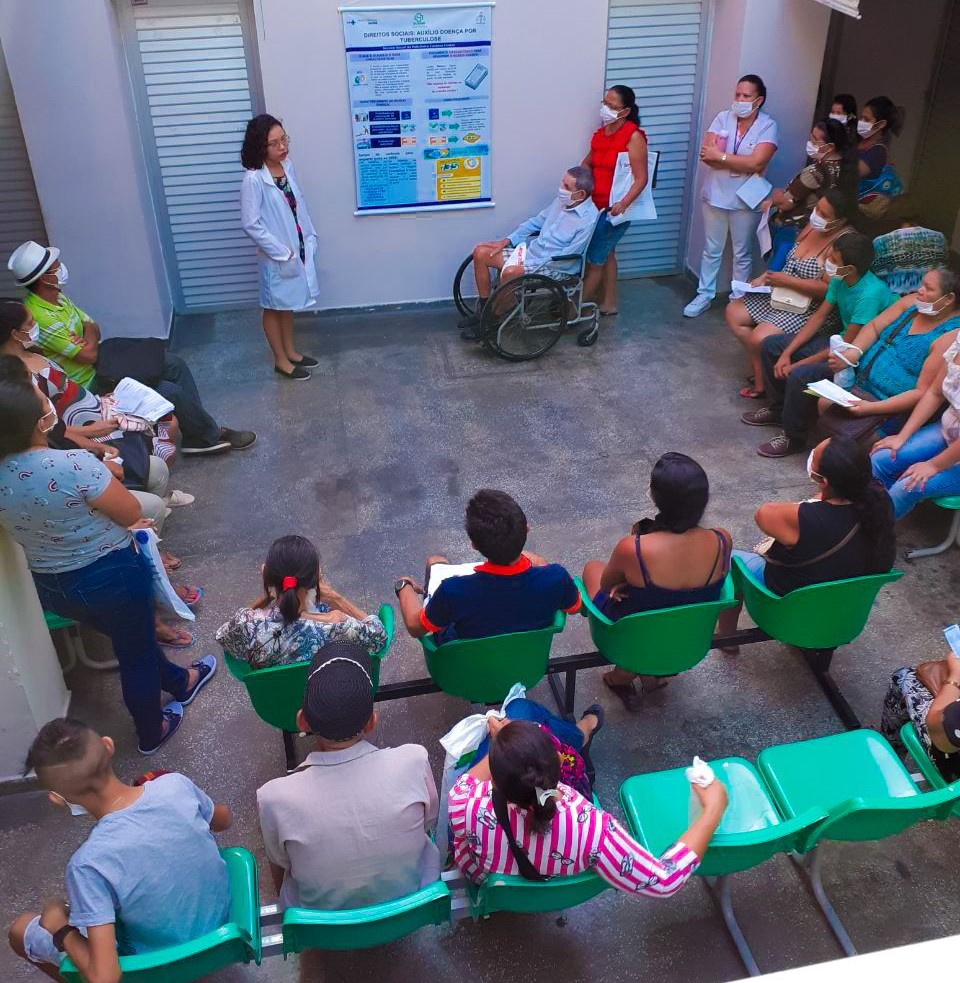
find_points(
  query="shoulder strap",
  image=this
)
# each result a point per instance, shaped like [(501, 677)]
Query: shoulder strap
[(647, 580), (527, 871), (880, 346), (822, 556)]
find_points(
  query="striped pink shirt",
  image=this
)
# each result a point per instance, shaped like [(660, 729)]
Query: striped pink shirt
[(581, 838)]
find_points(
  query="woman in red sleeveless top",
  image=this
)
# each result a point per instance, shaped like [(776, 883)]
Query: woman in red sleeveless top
[(619, 132)]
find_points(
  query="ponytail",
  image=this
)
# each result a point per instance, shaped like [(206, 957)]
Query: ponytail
[(522, 760), (629, 99), (292, 564)]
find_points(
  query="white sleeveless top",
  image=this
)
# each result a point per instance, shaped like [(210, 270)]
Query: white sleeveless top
[(950, 422)]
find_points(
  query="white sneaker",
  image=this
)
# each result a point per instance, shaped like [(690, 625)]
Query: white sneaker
[(698, 305), (177, 498)]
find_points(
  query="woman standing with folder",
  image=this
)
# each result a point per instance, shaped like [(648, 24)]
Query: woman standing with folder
[(738, 146)]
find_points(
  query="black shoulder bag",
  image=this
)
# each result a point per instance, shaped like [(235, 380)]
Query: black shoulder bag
[(527, 871)]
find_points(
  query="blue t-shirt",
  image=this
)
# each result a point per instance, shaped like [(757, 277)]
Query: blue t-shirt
[(497, 600), (45, 505), (152, 869), (863, 301)]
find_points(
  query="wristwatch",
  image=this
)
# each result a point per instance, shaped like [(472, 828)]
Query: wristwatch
[(400, 584), (723, 158), (61, 934)]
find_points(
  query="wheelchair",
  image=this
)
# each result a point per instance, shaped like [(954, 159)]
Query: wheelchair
[(524, 317)]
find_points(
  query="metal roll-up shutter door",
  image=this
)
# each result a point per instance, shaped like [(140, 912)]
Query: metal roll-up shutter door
[(656, 49), (20, 215), (192, 75)]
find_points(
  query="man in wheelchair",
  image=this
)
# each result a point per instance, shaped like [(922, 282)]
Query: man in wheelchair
[(564, 228)]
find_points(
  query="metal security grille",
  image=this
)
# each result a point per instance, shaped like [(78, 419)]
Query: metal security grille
[(191, 70), (20, 215), (656, 49)]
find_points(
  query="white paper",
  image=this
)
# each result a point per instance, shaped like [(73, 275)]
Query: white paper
[(763, 233), (643, 208), (439, 572), (133, 398), (830, 390), (745, 287), (754, 190)]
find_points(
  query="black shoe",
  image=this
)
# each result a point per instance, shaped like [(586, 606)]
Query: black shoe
[(597, 711), (298, 372), (194, 447), (172, 717), (471, 320), (306, 362), (239, 440), (471, 334)]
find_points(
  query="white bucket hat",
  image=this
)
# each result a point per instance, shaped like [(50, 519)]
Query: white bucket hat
[(30, 261)]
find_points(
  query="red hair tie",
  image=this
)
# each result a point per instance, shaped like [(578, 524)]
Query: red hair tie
[(288, 582)]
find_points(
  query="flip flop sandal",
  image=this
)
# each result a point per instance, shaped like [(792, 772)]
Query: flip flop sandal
[(750, 393), (184, 593), (627, 695), (597, 710), (170, 561), (181, 632), (650, 684)]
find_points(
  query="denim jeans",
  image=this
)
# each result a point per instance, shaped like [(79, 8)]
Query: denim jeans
[(177, 384), (523, 709), (797, 410), (114, 595), (927, 442), (754, 562)]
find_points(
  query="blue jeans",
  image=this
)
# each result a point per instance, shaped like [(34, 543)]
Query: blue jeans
[(177, 384), (926, 443), (114, 595), (788, 397), (523, 709), (754, 562)]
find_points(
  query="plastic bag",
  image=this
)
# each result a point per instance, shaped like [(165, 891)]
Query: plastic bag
[(166, 597), (465, 736), (844, 378), (701, 775)]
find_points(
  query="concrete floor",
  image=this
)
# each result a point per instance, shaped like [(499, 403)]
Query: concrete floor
[(374, 459)]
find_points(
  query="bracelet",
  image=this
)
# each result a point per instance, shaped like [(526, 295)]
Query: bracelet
[(953, 682)]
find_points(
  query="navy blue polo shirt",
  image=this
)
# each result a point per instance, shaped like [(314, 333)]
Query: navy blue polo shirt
[(498, 600)]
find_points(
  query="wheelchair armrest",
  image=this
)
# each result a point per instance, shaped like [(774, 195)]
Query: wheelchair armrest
[(566, 258)]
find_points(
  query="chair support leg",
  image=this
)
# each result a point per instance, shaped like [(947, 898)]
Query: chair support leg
[(811, 868), (69, 648), (85, 659), (565, 696), (720, 891), (819, 661), (952, 537), (289, 750)]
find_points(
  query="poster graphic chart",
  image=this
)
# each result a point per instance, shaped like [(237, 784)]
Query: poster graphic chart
[(419, 85)]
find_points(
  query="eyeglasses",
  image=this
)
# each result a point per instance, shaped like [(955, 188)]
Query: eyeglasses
[(284, 141)]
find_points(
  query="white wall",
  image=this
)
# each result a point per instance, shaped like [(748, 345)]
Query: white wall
[(74, 98), (891, 54), (783, 42), (547, 75)]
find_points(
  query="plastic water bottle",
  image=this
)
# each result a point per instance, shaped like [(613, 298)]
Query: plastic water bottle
[(843, 378)]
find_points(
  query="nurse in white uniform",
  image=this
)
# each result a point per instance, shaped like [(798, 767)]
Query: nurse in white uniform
[(274, 214), (739, 143)]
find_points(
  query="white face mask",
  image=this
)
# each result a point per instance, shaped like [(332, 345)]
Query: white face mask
[(811, 474), (564, 196), (742, 109), (930, 307), (864, 129), (62, 275), (817, 221), (33, 336), (839, 117), (812, 149), (75, 810), (607, 114), (831, 269), (51, 412)]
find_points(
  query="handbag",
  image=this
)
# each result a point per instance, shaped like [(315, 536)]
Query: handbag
[(527, 871), (792, 301)]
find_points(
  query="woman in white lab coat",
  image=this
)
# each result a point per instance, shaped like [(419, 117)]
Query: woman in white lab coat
[(274, 214)]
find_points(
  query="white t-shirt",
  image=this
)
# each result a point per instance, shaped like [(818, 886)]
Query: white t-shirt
[(720, 187)]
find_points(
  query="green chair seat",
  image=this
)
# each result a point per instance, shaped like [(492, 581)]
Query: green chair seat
[(482, 670), (363, 928), (510, 892), (657, 643), (822, 616), (236, 942), (54, 621), (951, 502), (276, 693), (752, 830)]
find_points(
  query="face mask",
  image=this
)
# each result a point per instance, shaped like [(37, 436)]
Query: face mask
[(33, 336), (831, 269), (742, 109), (62, 275), (812, 149), (811, 474), (817, 221), (930, 307), (607, 114), (75, 810), (564, 196), (864, 129), (839, 117)]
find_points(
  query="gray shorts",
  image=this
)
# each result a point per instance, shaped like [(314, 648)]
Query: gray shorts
[(38, 944)]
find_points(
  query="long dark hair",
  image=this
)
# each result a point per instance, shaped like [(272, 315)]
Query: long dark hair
[(289, 557), (885, 111), (845, 141), (629, 99), (254, 150), (20, 410), (12, 316), (680, 490), (523, 759), (845, 466)]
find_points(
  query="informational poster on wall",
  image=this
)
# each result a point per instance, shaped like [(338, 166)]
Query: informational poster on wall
[(419, 83)]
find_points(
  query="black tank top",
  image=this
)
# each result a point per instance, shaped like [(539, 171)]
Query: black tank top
[(822, 527)]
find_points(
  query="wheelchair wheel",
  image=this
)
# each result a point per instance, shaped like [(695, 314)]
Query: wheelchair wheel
[(524, 317), (589, 336), (464, 283)]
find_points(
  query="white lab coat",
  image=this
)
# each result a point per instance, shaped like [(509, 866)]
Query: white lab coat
[(286, 283)]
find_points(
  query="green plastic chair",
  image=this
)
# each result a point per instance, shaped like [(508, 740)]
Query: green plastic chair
[(860, 780), (482, 670), (822, 616), (918, 754), (363, 928), (952, 504), (277, 693), (511, 892), (657, 643), (236, 942), (751, 831)]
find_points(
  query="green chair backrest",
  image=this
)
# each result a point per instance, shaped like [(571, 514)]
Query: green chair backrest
[(363, 928), (482, 670), (911, 741), (730, 853), (510, 892), (876, 818), (236, 942), (658, 643), (817, 617), (277, 693)]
